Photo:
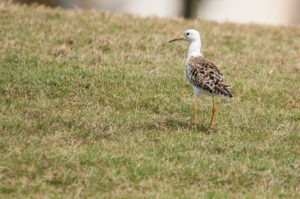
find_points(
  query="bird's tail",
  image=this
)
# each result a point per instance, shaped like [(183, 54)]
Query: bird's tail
[(228, 92)]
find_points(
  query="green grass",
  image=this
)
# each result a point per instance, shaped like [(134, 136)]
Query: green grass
[(97, 105)]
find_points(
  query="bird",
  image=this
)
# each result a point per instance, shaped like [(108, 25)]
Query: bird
[(203, 75)]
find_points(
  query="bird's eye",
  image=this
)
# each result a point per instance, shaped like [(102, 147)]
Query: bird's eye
[(187, 33)]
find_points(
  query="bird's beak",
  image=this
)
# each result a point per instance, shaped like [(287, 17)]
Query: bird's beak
[(179, 38)]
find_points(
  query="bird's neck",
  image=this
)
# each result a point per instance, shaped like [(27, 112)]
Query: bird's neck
[(194, 49)]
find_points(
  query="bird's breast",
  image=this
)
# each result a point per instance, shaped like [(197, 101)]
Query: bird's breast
[(188, 73)]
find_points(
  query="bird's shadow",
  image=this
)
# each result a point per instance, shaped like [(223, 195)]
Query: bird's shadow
[(175, 124)]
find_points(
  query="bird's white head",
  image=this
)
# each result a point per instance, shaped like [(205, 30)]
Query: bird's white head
[(189, 35), (193, 37)]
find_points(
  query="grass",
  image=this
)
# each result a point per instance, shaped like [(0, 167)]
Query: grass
[(97, 105)]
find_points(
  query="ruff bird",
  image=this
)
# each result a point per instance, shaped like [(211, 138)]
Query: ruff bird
[(203, 75)]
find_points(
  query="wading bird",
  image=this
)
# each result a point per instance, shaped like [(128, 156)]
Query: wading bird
[(203, 75)]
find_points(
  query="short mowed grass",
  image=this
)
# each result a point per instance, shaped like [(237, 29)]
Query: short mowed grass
[(97, 105)]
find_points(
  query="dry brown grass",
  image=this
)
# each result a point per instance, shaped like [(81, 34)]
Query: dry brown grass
[(97, 105)]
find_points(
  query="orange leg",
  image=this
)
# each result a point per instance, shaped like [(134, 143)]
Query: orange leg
[(196, 110), (213, 113)]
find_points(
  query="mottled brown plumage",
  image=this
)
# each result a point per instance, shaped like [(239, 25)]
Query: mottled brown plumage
[(205, 75)]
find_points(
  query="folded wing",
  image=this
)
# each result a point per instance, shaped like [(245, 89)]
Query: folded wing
[(206, 75)]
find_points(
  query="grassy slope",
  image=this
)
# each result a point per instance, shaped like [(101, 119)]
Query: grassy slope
[(96, 104)]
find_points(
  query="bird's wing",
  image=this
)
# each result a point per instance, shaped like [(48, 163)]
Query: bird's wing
[(206, 75)]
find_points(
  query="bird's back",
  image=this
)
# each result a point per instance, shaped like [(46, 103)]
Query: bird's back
[(205, 75)]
